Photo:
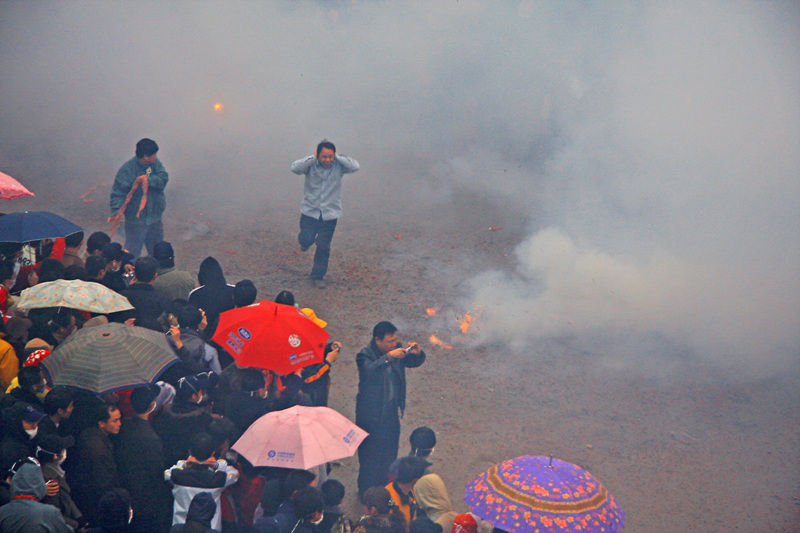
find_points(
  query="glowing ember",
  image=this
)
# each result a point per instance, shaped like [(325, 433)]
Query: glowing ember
[(436, 342), (466, 322), (218, 107), (431, 311)]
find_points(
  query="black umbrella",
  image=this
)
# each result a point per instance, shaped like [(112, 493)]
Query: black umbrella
[(35, 226)]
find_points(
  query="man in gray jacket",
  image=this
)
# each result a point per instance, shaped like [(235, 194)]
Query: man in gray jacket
[(25, 512), (322, 202)]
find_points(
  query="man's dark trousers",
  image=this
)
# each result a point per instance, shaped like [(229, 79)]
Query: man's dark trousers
[(320, 231), (377, 452)]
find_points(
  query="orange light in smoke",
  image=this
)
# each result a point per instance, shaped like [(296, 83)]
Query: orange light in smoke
[(218, 107), (436, 342), (466, 322), (431, 311)]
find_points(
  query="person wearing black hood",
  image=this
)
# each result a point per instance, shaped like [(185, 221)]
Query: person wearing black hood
[(249, 404), (114, 512), (214, 295), (25, 512), (199, 515), (20, 426)]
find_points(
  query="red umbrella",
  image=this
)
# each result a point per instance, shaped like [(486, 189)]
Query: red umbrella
[(272, 336), (11, 188)]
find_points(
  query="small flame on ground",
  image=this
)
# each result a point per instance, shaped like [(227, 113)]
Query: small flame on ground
[(217, 107), (466, 322), (436, 342), (430, 310)]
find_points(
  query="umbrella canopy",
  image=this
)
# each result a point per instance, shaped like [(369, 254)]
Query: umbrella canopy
[(272, 336), (75, 294), (299, 437), (34, 226), (110, 357), (529, 494), (11, 188)]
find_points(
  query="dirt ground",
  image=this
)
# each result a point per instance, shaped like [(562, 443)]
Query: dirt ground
[(692, 453)]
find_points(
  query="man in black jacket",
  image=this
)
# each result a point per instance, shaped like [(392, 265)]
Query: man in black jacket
[(381, 401), (149, 304), (140, 458)]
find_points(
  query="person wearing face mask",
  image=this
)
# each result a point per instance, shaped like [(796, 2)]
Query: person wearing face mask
[(139, 453), (185, 417), (114, 512), (249, 404), (51, 453), (21, 424)]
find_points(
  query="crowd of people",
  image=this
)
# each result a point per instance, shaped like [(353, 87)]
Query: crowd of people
[(158, 457)]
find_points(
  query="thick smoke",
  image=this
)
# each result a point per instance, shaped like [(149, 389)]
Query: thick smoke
[(650, 149)]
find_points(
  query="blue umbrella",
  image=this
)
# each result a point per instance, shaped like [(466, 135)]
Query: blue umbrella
[(34, 226)]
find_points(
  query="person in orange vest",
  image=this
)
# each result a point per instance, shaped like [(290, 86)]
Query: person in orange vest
[(409, 470)]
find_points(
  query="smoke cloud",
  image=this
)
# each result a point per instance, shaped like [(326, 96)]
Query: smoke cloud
[(650, 150)]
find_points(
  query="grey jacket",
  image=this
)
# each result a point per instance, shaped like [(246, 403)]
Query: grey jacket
[(25, 513), (322, 193)]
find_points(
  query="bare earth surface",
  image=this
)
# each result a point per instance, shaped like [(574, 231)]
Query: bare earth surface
[(690, 453)]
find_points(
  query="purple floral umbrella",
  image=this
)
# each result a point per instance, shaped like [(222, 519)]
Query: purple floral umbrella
[(532, 494)]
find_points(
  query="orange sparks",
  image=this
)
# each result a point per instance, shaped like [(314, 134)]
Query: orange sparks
[(430, 310), (436, 342), (466, 322), (217, 107)]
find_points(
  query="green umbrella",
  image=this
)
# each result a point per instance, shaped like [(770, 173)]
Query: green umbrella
[(110, 357)]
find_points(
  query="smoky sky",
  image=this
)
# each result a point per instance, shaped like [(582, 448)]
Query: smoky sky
[(650, 151)]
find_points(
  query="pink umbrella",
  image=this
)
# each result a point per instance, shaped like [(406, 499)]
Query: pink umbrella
[(299, 437), (11, 188)]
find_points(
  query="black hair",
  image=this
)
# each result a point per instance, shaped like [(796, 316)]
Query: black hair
[(113, 510), (285, 298), (380, 499), (46, 456), (74, 272), (51, 270), (306, 502), (94, 264), (189, 316), (325, 143), (59, 397), (296, 480), (244, 293), (382, 329), (74, 240), (145, 269), (28, 377), (333, 491), (97, 241), (102, 412), (6, 270), (142, 397), (252, 379), (202, 446), (222, 429), (62, 318), (411, 468), (423, 440), (146, 147)]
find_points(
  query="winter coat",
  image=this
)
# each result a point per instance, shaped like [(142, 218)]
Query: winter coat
[(377, 375), (148, 303), (201, 510), (63, 500), (174, 284), (25, 513), (381, 523), (214, 295), (95, 471), (190, 479), (431, 495), (177, 423), (139, 452), (16, 444)]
